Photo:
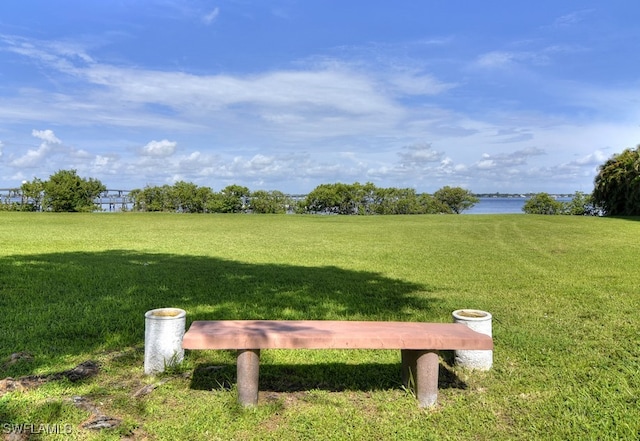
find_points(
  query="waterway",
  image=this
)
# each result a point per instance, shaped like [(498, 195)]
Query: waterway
[(501, 206)]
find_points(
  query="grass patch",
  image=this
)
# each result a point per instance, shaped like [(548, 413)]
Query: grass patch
[(564, 293)]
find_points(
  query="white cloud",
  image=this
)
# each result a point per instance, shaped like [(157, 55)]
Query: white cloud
[(160, 148), (486, 164), (594, 159), (329, 90), (102, 161), (33, 157), (418, 155), (211, 16), (413, 83), (505, 59), (47, 136), (495, 59), (36, 157), (516, 158), (300, 104), (572, 19), (329, 99), (535, 56), (80, 154), (512, 135)]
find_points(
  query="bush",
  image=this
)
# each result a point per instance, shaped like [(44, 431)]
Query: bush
[(543, 203)]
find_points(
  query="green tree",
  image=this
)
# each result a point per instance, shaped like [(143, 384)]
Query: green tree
[(397, 201), (348, 199), (136, 198), (184, 197), (202, 197), (617, 184), (66, 191), (340, 198), (543, 203), (269, 202), (153, 198), (431, 205), (231, 199), (457, 199), (215, 203), (581, 204), (325, 198), (32, 195), (189, 198)]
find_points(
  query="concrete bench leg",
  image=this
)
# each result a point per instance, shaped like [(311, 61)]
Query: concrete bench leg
[(248, 365), (420, 372)]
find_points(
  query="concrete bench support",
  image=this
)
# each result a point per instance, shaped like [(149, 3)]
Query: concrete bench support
[(420, 374), (418, 344), (248, 368)]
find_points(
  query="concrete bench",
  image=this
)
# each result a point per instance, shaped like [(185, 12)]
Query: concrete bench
[(419, 344)]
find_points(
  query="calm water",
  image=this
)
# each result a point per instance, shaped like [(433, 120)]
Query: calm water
[(501, 206), (498, 206)]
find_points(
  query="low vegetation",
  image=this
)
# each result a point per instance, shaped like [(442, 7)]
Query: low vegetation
[(579, 205), (65, 191), (563, 291)]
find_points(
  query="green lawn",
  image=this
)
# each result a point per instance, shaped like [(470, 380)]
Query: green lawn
[(564, 292)]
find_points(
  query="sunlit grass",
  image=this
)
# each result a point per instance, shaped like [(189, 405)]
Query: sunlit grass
[(564, 293)]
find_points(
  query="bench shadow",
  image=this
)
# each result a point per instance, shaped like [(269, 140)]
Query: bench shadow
[(332, 377)]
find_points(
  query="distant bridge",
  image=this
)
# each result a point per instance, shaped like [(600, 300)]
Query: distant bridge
[(115, 200), (109, 200)]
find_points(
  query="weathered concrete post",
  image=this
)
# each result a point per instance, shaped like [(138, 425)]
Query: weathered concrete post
[(420, 372), (248, 368)]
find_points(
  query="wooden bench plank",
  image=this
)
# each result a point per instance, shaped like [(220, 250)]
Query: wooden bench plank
[(327, 334)]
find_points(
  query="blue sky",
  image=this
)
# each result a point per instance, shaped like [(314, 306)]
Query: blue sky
[(493, 96)]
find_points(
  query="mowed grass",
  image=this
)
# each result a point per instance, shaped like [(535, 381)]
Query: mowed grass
[(564, 292)]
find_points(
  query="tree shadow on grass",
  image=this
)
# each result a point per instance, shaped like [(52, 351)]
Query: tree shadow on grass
[(629, 218), (71, 304)]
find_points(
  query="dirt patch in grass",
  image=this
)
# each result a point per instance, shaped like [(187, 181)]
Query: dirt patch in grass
[(82, 371)]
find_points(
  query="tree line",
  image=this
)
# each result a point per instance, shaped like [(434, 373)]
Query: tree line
[(336, 198), (616, 192), (368, 199), (66, 191)]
